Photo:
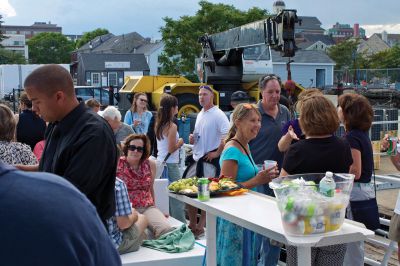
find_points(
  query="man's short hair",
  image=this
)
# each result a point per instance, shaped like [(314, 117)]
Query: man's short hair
[(262, 82), (318, 116), (112, 113), (49, 79)]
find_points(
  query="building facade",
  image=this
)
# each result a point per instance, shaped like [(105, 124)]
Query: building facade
[(30, 31), (16, 43)]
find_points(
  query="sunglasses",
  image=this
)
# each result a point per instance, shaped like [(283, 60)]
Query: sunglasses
[(270, 77), (205, 87), (133, 148), (143, 100)]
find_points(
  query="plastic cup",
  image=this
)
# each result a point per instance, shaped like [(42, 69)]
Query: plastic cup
[(269, 164), (260, 167)]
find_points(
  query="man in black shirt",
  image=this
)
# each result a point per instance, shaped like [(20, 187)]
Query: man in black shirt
[(80, 145)]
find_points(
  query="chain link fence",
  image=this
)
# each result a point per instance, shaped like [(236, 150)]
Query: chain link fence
[(384, 78)]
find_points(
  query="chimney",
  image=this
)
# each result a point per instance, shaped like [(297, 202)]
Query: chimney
[(384, 36), (356, 32)]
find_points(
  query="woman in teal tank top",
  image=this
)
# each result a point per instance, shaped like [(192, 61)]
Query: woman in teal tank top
[(236, 245)]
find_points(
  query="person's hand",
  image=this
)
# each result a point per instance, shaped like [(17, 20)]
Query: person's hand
[(292, 134), (180, 142), (385, 143), (211, 155), (136, 122), (266, 176), (191, 139)]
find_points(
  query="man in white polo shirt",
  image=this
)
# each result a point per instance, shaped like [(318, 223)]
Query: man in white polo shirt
[(210, 130)]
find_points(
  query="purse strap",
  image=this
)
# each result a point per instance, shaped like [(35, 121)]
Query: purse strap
[(248, 155), (166, 157)]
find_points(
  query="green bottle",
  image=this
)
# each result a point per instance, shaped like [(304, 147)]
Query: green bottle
[(203, 193)]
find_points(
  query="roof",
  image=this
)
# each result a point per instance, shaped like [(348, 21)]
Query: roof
[(96, 61), (304, 57), (373, 45), (309, 39), (148, 48), (309, 23), (109, 43)]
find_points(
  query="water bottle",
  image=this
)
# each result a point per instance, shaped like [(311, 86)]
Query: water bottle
[(327, 185)]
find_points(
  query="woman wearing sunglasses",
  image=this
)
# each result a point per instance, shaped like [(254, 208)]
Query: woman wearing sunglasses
[(168, 144), (137, 171), (137, 116)]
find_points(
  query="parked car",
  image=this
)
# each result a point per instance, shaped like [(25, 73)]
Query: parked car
[(84, 93)]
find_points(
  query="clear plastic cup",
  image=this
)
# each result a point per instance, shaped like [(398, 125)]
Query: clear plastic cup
[(269, 164)]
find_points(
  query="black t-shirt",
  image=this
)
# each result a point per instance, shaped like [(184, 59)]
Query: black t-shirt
[(82, 149), (30, 128), (46, 221), (359, 140), (318, 156)]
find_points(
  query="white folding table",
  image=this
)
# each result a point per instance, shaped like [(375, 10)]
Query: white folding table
[(260, 214)]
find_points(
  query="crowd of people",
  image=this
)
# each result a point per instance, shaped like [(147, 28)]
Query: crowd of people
[(104, 204)]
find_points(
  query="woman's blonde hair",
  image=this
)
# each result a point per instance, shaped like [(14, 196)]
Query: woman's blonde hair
[(241, 111)]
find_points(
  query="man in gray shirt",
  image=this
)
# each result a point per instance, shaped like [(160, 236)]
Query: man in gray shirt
[(113, 117), (265, 146)]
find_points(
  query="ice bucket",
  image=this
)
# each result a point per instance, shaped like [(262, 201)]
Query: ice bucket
[(304, 210)]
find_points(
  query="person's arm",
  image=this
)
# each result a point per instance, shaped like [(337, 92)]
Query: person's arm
[(396, 161), (126, 221), (153, 169), (215, 154), (283, 173), (28, 168), (146, 122), (286, 140), (355, 168), (173, 145), (128, 118), (94, 155)]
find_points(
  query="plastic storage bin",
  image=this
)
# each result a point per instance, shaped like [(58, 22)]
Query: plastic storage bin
[(304, 210)]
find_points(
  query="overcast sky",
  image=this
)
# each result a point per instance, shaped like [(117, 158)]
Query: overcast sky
[(145, 16)]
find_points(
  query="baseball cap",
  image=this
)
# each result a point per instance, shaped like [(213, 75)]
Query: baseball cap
[(239, 96)]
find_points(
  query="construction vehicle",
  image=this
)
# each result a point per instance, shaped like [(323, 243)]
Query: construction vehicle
[(231, 60)]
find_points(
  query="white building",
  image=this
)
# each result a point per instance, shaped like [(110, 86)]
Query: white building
[(309, 68), (13, 76), (152, 51), (16, 43)]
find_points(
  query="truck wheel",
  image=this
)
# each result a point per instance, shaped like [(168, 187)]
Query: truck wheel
[(188, 103)]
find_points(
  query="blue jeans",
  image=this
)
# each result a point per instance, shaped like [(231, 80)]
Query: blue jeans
[(176, 207)]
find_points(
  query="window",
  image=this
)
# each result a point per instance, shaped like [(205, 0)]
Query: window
[(260, 52), (112, 79)]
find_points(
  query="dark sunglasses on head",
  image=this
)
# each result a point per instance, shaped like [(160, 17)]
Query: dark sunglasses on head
[(133, 148), (143, 100)]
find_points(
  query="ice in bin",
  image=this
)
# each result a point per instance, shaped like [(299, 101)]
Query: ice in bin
[(304, 210)]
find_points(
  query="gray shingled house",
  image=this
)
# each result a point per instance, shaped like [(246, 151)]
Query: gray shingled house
[(103, 70)]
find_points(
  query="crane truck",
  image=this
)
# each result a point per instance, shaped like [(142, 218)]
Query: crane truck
[(231, 60)]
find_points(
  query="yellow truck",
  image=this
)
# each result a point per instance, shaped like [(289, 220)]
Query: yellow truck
[(154, 86)]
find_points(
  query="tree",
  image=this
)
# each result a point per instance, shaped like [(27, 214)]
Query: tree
[(346, 56), (389, 58), (10, 57), (2, 37), (181, 36), (88, 36), (50, 48)]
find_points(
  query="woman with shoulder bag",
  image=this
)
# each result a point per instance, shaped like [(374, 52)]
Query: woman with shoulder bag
[(138, 117), (168, 144), (356, 113)]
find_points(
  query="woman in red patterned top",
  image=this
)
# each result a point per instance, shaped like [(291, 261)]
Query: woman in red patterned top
[(137, 171)]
